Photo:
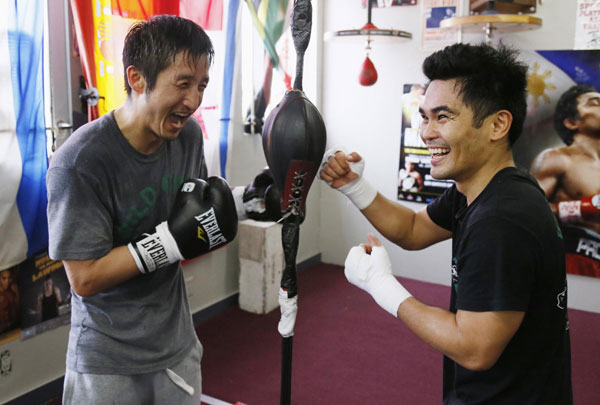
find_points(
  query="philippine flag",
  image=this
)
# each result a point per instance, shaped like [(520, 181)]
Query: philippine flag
[(550, 74), (23, 155)]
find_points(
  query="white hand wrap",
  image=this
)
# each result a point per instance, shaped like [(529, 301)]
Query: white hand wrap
[(289, 309), (238, 199), (359, 191), (373, 273), (156, 250)]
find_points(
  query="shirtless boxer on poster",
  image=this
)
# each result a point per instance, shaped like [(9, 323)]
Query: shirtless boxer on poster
[(9, 300), (570, 177)]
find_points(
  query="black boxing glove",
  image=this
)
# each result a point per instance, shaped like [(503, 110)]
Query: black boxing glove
[(261, 198), (203, 218)]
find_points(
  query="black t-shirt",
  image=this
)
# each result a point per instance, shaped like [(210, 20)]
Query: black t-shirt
[(508, 255)]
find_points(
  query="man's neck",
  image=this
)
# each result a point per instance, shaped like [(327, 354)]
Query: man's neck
[(475, 184), (587, 144), (134, 130)]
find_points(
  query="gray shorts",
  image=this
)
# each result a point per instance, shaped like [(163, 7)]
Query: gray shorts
[(181, 384)]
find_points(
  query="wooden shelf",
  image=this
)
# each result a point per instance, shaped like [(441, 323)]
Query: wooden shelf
[(497, 22)]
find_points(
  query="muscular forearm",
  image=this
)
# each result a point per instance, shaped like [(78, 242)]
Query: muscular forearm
[(437, 328), (475, 343), (408, 229), (90, 277), (392, 220)]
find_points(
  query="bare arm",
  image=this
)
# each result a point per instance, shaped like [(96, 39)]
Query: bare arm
[(408, 229), (90, 277), (475, 340), (58, 296), (548, 168), (401, 225)]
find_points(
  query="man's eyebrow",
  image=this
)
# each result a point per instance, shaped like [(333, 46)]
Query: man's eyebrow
[(595, 98), (184, 76), (438, 109)]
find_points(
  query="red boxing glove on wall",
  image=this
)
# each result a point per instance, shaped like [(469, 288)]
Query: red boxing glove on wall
[(585, 210)]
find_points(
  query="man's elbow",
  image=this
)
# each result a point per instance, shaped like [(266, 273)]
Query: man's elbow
[(479, 362), (83, 288), (80, 276)]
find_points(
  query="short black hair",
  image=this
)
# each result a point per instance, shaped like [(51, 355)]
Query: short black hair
[(491, 79), (151, 46), (566, 108)]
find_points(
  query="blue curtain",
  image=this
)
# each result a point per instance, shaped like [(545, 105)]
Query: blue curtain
[(25, 37), (230, 51)]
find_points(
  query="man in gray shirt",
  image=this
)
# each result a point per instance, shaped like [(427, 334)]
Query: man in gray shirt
[(132, 339)]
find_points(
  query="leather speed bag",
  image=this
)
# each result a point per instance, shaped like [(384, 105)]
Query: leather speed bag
[(294, 140)]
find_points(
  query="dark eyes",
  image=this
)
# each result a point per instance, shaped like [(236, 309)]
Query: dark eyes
[(185, 85), (438, 117)]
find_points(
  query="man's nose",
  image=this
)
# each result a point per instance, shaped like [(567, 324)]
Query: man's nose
[(193, 99), (426, 132)]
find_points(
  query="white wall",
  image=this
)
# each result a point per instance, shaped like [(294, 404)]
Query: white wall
[(368, 120)]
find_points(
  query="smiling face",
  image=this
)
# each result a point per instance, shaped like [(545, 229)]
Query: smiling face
[(458, 150), (176, 95)]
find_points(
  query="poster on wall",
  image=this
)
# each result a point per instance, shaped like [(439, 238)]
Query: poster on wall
[(10, 303), (45, 295), (587, 25), (414, 181), (388, 3), (433, 12), (566, 166)]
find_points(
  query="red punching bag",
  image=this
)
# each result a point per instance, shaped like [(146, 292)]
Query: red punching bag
[(368, 73)]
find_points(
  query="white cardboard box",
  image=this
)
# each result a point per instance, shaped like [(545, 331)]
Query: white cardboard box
[(261, 265)]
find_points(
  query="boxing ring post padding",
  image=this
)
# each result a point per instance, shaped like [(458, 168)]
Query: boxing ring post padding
[(261, 265)]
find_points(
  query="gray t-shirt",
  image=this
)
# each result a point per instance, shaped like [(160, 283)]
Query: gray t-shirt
[(101, 194)]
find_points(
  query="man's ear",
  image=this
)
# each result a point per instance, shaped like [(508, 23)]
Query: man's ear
[(136, 80), (501, 122), (570, 124)]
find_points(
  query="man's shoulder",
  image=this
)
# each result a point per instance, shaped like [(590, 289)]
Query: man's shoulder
[(512, 192), (83, 145), (554, 159)]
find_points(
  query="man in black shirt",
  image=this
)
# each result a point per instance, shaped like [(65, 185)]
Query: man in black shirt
[(505, 338)]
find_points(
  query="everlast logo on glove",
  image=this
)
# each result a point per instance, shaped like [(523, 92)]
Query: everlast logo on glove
[(209, 227), (153, 252), (187, 234)]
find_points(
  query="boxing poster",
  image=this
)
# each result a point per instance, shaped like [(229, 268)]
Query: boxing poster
[(433, 37), (10, 303), (550, 75), (45, 295), (414, 181)]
